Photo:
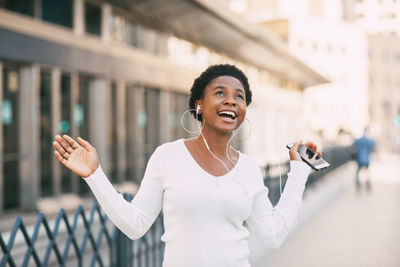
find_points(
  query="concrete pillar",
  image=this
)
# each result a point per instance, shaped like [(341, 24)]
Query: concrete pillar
[(55, 122), (29, 136), (74, 128), (79, 17), (121, 131), (98, 123), (37, 9), (165, 134), (1, 140), (105, 19), (139, 148)]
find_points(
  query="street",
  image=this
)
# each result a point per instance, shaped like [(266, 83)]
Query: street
[(354, 228)]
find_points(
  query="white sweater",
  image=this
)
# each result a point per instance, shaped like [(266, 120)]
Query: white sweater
[(204, 215)]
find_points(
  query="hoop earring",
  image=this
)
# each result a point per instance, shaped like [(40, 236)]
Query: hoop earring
[(247, 137), (197, 121), (233, 135)]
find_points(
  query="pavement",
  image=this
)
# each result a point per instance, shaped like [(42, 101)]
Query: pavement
[(340, 225)]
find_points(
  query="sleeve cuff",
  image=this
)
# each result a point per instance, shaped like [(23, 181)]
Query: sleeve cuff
[(299, 169), (97, 173)]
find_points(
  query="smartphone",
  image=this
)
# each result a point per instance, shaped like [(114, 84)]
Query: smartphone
[(311, 158)]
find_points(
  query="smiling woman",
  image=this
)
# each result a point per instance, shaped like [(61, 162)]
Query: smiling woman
[(212, 196)]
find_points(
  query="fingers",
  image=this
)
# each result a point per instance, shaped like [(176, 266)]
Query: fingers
[(314, 148), (64, 144), (71, 141), (85, 144), (294, 155), (61, 151), (296, 145), (311, 146), (60, 158)]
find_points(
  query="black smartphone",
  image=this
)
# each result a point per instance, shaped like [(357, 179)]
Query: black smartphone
[(311, 158)]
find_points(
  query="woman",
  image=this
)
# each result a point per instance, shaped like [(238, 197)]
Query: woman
[(210, 193)]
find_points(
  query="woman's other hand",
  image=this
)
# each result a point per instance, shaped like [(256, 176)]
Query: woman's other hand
[(80, 157), (294, 155)]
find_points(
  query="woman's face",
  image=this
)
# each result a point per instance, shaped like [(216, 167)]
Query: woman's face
[(223, 106)]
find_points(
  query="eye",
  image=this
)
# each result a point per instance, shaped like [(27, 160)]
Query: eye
[(240, 96), (219, 93)]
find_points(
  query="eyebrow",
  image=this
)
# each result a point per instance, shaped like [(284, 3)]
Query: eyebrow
[(223, 87)]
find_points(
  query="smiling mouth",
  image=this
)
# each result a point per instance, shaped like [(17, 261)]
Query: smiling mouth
[(227, 115)]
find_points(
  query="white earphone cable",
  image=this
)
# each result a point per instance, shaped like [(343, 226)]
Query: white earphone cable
[(205, 142)]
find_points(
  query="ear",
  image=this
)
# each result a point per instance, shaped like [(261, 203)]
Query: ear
[(197, 103)]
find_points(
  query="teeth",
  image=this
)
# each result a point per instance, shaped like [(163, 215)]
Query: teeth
[(229, 113)]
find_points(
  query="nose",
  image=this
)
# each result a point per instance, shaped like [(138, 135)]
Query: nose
[(230, 100)]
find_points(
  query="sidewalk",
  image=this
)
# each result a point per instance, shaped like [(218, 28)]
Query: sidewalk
[(348, 228)]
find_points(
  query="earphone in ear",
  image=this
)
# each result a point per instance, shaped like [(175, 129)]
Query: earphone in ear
[(198, 109)]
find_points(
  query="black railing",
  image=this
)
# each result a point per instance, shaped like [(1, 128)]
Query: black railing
[(85, 240), (336, 156)]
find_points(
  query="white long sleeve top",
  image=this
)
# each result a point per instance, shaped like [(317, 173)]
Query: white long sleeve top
[(205, 216)]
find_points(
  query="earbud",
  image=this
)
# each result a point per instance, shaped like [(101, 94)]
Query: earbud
[(198, 109)]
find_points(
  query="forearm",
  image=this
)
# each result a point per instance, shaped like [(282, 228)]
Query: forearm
[(291, 198), (125, 215), (274, 223)]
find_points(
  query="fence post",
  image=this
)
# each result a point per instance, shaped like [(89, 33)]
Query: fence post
[(124, 250), (123, 245)]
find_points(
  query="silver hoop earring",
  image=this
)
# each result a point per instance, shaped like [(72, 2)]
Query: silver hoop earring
[(197, 121), (247, 137)]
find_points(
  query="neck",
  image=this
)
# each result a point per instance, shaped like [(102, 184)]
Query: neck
[(217, 142)]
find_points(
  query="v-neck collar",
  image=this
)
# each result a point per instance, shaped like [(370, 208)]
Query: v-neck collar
[(190, 156)]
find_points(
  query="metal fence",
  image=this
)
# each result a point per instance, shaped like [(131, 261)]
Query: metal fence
[(86, 239)]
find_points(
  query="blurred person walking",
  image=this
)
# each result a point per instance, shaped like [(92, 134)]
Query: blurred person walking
[(363, 147), (212, 196)]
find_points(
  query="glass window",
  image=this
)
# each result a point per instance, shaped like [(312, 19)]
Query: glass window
[(146, 39), (178, 106), (81, 117), (386, 55), (329, 48), (152, 109), (113, 133), (58, 12), (123, 31), (25, 7), (46, 149), (136, 122), (316, 8), (65, 126), (92, 19), (11, 147), (136, 35), (300, 43)]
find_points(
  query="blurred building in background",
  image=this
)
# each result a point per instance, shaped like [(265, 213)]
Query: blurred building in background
[(352, 43), (380, 21), (118, 74), (384, 88), (374, 16)]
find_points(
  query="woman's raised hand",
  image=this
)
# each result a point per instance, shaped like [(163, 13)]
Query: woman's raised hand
[(80, 157), (294, 155)]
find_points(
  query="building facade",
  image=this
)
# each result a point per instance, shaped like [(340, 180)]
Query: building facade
[(384, 84), (111, 73), (317, 33)]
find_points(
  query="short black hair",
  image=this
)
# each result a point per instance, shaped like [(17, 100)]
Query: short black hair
[(207, 76)]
